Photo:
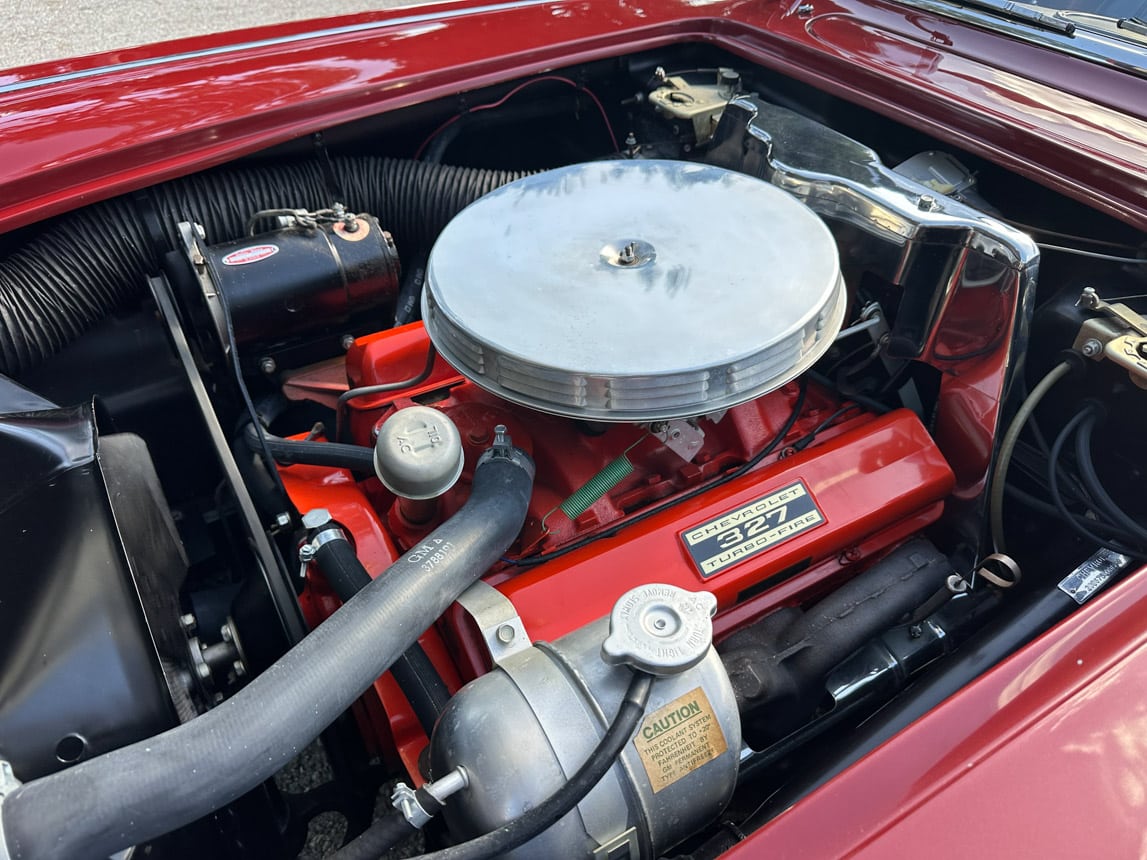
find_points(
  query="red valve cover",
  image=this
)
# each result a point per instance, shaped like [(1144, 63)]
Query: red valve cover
[(780, 534)]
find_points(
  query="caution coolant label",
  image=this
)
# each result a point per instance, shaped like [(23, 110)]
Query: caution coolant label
[(678, 738), (746, 531)]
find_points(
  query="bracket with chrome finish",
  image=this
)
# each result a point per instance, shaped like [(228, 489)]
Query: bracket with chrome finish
[(1118, 334)]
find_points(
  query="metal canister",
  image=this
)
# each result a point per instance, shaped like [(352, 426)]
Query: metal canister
[(522, 730)]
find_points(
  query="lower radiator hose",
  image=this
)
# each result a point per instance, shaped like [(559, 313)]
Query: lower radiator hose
[(86, 264), (152, 787)]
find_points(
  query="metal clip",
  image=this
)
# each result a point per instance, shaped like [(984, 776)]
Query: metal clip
[(996, 564), (497, 619)]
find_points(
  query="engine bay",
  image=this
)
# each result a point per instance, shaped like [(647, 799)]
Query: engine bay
[(653, 430)]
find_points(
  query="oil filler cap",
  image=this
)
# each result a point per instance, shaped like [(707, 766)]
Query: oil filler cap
[(418, 453), (660, 629)]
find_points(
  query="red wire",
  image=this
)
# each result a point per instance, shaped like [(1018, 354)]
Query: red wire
[(510, 95)]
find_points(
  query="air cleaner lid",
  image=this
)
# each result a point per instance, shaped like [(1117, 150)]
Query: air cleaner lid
[(634, 290)]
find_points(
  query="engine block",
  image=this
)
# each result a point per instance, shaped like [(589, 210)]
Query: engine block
[(856, 488)]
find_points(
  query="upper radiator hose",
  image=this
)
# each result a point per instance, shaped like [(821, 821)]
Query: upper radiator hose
[(154, 786), (89, 262)]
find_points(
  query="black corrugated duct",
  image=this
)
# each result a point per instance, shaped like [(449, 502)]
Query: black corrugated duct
[(85, 264)]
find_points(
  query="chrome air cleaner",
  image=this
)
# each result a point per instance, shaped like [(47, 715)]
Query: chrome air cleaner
[(634, 290)]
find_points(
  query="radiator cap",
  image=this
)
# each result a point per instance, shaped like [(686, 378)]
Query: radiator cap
[(660, 629), (634, 290)]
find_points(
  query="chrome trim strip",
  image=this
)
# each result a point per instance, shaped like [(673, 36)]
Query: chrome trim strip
[(1084, 44), (426, 17)]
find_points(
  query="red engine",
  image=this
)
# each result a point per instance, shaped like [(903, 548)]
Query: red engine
[(840, 486), (675, 441)]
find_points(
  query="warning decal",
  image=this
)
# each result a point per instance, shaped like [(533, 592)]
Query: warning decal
[(678, 738), (746, 531)]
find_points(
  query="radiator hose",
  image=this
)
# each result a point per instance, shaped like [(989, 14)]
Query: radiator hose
[(84, 265), (152, 787), (416, 675)]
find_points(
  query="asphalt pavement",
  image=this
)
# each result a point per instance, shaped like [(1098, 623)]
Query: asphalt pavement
[(57, 29)]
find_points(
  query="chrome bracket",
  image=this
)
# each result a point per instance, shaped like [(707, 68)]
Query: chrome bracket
[(1118, 335), (498, 621)]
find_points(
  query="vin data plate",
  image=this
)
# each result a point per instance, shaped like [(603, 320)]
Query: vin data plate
[(751, 529)]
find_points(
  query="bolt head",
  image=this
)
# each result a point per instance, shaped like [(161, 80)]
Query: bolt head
[(316, 518), (239, 669), (506, 634), (187, 622), (306, 553), (347, 341), (268, 365), (203, 671), (1091, 348)]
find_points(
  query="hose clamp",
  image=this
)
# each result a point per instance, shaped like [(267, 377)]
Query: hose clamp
[(503, 448), (405, 800), (310, 549), (411, 803)]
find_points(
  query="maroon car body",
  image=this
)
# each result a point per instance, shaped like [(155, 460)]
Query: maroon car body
[(1044, 754)]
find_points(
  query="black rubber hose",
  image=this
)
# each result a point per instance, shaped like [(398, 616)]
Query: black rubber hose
[(415, 674), (152, 787), (1098, 526), (83, 265), (286, 452), (550, 811), (377, 839), (408, 308), (1095, 487), (1053, 486)]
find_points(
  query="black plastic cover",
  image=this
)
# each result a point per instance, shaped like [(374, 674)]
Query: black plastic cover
[(79, 669)]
